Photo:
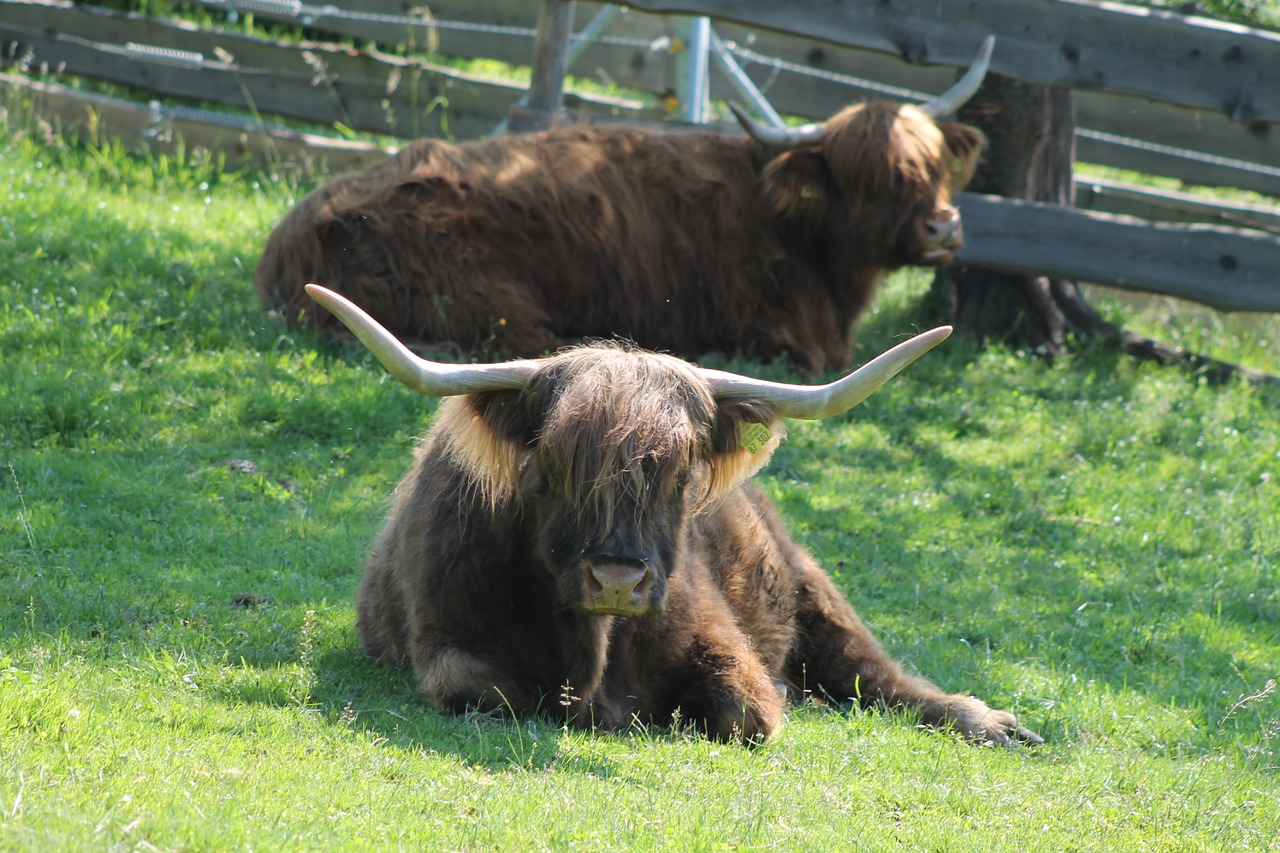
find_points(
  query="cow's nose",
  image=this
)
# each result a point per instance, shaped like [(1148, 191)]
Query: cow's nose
[(943, 228), (618, 586)]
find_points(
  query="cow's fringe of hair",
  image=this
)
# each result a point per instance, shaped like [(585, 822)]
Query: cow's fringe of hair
[(492, 462)]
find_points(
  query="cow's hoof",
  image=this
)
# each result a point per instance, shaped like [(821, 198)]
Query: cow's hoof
[(982, 724)]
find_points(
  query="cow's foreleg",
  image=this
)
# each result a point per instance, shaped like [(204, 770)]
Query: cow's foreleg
[(728, 692), (696, 667), (837, 655)]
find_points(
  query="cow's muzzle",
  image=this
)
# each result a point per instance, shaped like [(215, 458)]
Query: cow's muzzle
[(944, 236), (617, 586)]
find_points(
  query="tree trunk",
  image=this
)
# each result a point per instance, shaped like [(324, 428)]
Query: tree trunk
[(1031, 150)]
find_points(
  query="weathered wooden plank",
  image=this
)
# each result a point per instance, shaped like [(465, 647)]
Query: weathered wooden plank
[(1195, 146), (1225, 268), (1106, 196), (503, 30), (551, 55), (292, 88), (317, 82), (94, 119)]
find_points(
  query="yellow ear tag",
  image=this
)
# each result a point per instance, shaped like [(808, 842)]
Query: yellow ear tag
[(754, 437)]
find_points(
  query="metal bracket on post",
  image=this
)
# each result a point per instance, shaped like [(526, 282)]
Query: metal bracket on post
[(693, 86), (555, 49), (741, 83)]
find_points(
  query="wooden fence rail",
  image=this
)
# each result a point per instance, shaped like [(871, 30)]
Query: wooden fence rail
[(1230, 269), (324, 83)]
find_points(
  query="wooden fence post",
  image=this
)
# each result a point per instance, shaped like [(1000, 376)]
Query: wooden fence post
[(550, 63)]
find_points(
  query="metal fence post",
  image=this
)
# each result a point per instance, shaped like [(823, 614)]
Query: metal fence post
[(693, 87)]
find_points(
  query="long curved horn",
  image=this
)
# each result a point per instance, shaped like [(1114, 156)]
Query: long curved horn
[(786, 137), (955, 97), (814, 402), (432, 378)]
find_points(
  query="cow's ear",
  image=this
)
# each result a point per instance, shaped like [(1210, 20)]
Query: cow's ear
[(486, 433), (413, 193), (745, 434), (965, 146), (798, 183)]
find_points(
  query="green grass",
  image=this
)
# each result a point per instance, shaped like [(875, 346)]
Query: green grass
[(1092, 543)]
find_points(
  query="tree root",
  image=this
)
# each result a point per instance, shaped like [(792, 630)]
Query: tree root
[(1047, 315), (1214, 371)]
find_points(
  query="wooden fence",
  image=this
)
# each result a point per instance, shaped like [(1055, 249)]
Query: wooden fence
[(1158, 83), (1158, 92)]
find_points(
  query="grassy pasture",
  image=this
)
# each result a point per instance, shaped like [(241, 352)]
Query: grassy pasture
[(187, 490)]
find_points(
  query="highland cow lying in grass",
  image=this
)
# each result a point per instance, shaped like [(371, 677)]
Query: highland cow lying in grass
[(766, 244), (582, 526)]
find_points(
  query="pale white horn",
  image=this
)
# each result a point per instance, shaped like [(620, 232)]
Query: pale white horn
[(436, 379), (955, 97), (786, 137), (814, 402)]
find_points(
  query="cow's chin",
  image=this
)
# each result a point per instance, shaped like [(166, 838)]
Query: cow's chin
[(613, 610), (935, 257)]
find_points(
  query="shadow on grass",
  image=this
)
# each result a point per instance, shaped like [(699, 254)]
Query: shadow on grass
[(382, 703)]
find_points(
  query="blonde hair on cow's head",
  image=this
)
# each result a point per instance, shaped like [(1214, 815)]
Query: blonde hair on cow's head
[(747, 432), (491, 459)]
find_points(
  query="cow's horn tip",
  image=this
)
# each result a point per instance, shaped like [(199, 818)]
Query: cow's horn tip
[(326, 297)]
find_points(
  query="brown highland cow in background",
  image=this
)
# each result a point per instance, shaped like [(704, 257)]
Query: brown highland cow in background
[(578, 536), (762, 244)]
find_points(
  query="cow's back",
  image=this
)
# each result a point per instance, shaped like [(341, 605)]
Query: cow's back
[(597, 232), (516, 245)]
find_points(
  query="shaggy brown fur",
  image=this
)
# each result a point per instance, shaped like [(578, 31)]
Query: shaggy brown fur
[(614, 464), (688, 243)]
